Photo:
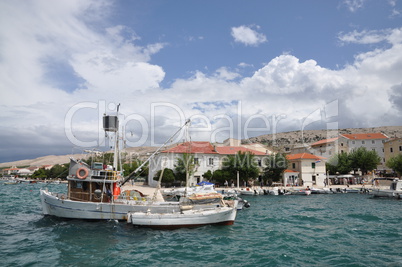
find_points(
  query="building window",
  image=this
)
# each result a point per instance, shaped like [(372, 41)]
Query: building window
[(313, 165), (400, 148), (341, 144), (196, 161), (391, 150), (363, 142), (294, 165), (372, 141), (353, 142), (211, 161)]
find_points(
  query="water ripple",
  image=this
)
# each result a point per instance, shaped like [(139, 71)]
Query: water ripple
[(318, 230)]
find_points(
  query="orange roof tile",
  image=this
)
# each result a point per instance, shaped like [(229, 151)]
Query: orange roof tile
[(303, 156), (365, 136), (193, 148), (325, 141), (287, 170), (232, 150)]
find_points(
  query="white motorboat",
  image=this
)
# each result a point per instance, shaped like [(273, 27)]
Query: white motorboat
[(248, 191), (190, 217), (179, 192), (394, 190), (304, 192)]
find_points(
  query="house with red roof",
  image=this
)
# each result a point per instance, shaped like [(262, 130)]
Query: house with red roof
[(310, 168), (371, 141), (349, 142), (326, 147), (206, 157)]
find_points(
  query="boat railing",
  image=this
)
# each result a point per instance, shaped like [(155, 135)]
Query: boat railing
[(106, 174)]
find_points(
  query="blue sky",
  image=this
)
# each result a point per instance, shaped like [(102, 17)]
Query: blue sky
[(263, 66)]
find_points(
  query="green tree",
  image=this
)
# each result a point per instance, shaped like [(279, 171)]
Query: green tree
[(275, 164), (244, 163), (207, 175), (185, 166), (128, 168), (40, 174), (339, 163), (363, 159), (220, 176), (58, 171), (395, 163), (167, 177)]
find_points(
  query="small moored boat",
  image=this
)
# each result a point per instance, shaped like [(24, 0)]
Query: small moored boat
[(394, 190)]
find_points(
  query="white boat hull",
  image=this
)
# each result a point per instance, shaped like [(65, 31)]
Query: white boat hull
[(387, 193), (188, 218), (65, 208)]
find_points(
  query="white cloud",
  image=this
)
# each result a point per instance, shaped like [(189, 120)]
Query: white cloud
[(114, 69), (353, 5), (365, 37), (247, 36)]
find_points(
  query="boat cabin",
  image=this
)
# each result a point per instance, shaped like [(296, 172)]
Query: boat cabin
[(96, 183), (396, 185)]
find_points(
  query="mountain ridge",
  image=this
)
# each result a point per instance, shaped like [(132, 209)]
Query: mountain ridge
[(285, 139)]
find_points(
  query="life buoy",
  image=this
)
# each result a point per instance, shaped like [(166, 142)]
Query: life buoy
[(80, 175)]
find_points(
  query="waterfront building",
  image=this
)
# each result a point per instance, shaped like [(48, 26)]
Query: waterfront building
[(371, 141), (349, 142), (310, 168), (207, 157), (392, 148)]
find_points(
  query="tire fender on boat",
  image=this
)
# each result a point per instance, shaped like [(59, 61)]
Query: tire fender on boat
[(82, 176)]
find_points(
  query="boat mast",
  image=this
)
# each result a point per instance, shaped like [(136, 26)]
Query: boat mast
[(153, 154), (116, 145)]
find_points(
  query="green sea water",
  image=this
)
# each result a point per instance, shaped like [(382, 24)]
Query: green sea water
[(315, 230)]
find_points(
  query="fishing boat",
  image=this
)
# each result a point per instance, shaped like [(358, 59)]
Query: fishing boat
[(394, 190), (190, 217), (94, 192)]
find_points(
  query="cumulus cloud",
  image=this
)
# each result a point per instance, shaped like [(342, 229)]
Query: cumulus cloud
[(248, 36), (112, 68)]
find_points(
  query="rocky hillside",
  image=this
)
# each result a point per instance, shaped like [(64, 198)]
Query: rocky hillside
[(296, 138), (281, 140), (52, 159)]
